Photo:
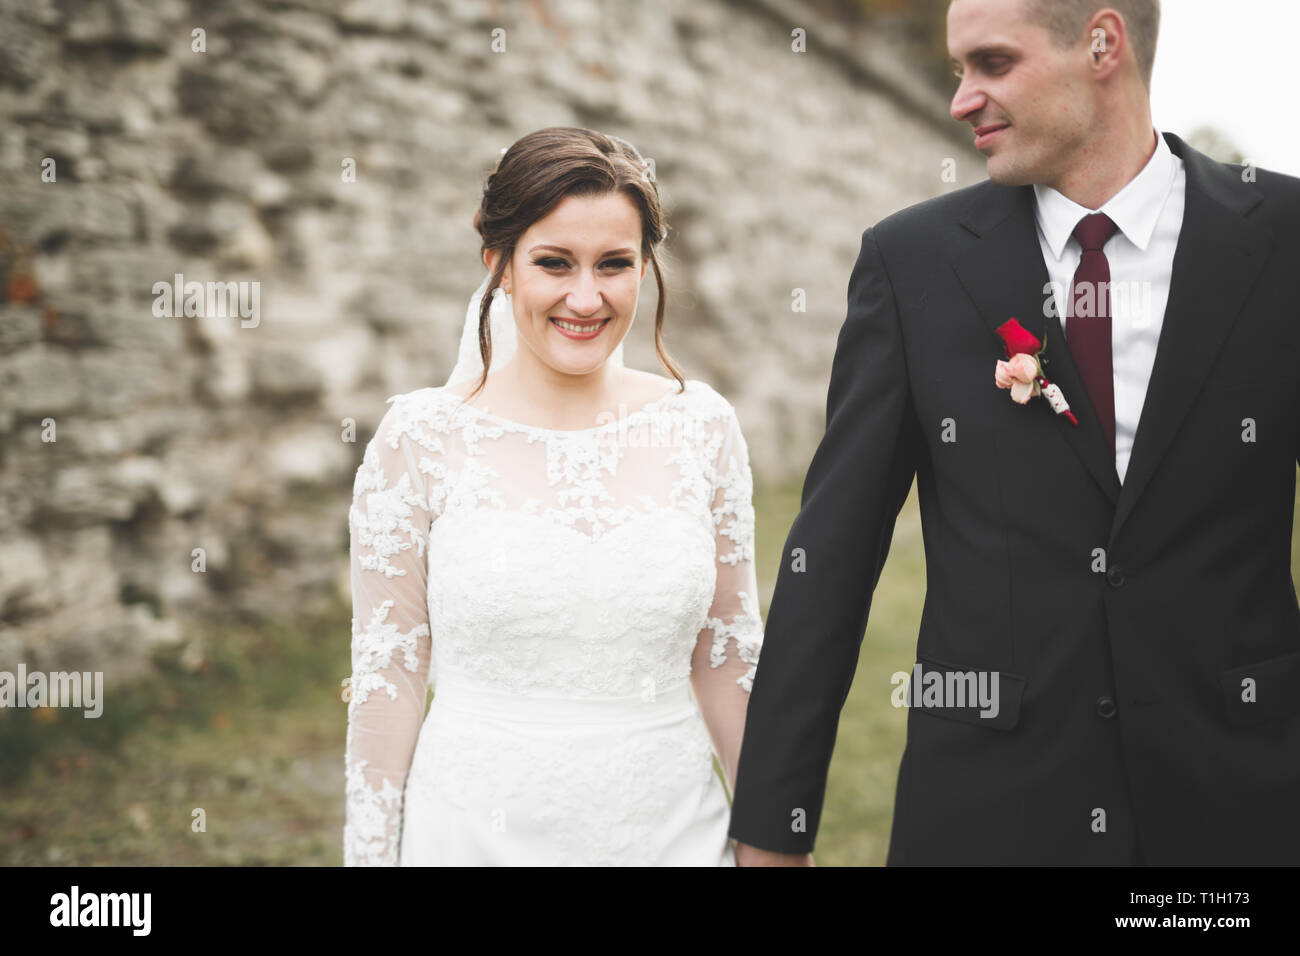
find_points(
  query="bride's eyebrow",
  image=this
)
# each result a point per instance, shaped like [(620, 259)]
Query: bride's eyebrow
[(612, 252)]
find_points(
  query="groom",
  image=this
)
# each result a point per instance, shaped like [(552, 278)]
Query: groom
[(1121, 587)]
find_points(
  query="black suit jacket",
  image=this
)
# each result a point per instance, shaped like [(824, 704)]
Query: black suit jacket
[(1121, 690)]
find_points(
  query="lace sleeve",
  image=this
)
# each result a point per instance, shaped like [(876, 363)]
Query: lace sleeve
[(726, 653), (389, 524)]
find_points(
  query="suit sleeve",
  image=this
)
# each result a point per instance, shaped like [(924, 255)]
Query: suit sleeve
[(857, 481)]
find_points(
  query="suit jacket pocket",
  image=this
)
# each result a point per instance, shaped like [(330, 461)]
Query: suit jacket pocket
[(1276, 690), (966, 694)]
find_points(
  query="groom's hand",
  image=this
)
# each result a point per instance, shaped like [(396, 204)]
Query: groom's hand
[(747, 855)]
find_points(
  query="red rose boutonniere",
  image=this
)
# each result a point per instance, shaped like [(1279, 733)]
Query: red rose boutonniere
[(1023, 372)]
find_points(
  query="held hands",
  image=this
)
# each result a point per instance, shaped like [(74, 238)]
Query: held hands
[(747, 855)]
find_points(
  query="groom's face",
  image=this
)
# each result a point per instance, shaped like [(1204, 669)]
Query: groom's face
[(1028, 101)]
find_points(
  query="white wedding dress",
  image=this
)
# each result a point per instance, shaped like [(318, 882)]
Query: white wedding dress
[(577, 600)]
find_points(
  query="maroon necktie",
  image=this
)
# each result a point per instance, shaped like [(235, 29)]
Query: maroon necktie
[(1088, 335)]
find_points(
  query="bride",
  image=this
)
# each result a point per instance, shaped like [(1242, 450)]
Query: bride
[(562, 548)]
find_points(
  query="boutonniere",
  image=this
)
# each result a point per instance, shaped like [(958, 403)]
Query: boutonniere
[(1022, 372)]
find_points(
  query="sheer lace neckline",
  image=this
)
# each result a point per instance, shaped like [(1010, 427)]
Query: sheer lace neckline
[(632, 417)]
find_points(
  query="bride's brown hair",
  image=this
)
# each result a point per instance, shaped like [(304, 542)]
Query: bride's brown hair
[(534, 176)]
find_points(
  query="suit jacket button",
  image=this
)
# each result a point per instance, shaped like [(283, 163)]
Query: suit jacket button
[(1106, 707), (1115, 576)]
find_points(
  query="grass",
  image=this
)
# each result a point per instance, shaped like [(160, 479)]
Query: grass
[(860, 789), (232, 755), (247, 735)]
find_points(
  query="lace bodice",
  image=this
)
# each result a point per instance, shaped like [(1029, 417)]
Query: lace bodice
[(597, 563)]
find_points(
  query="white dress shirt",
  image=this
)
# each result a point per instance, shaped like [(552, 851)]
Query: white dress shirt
[(1149, 214)]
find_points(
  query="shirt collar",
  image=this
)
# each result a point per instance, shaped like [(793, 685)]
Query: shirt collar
[(1135, 209)]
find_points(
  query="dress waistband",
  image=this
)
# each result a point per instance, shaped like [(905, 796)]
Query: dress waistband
[(462, 695)]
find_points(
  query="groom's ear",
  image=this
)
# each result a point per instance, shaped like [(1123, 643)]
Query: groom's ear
[(1109, 42)]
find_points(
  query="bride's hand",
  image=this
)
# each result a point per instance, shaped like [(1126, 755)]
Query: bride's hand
[(747, 855)]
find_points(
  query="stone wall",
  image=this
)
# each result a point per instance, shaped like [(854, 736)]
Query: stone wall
[(129, 157)]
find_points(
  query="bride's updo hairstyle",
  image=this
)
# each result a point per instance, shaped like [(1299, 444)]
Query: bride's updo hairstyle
[(533, 176)]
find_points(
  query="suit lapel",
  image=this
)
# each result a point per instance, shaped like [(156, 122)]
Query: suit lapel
[(1219, 256), (1005, 276)]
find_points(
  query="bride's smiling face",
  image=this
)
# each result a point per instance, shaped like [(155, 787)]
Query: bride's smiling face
[(580, 265)]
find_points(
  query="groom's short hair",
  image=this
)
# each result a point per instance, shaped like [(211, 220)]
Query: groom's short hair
[(1065, 20)]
